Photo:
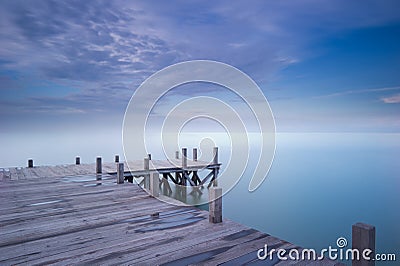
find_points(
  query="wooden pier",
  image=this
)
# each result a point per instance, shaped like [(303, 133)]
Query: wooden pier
[(68, 214)]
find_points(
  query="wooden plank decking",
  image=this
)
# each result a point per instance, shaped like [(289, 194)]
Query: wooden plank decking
[(48, 218)]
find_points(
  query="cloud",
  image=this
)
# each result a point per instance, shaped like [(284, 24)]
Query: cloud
[(391, 99), (360, 91)]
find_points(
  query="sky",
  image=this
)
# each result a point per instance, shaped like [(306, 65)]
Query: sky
[(323, 66)]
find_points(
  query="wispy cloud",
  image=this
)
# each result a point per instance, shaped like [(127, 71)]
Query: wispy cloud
[(362, 91), (391, 99)]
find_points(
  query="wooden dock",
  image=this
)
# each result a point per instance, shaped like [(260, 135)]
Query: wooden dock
[(68, 215)]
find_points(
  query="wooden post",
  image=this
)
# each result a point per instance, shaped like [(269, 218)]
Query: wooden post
[(120, 173), (177, 155), (30, 163), (154, 185), (149, 155), (215, 205), (77, 160), (116, 158), (215, 155), (184, 157), (363, 237), (98, 165), (146, 176), (195, 154)]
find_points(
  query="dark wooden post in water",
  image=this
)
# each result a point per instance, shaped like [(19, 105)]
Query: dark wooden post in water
[(120, 173), (77, 160), (215, 170), (98, 165), (149, 155), (154, 185), (184, 158), (177, 155), (195, 154), (215, 205), (30, 163), (363, 237), (116, 158), (146, 176)]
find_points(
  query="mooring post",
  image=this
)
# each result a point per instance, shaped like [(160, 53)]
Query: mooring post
[(30, 163), (216, 168), (149, 155), (154, 185), (215, 155), (363, 238), (116, 159), (215, 205), (177, 155), (195, 154), (184, 158), (98, 165), (120, 173), (77, 160), (147, 175)]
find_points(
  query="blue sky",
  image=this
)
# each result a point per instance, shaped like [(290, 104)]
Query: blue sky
[(323, 65)]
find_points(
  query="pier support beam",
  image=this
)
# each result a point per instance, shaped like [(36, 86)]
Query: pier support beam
[(30, 163), (363, 238), (154, 185), (77, 160), (98, 165), (177, 155), (120, 173), (116, 158), (215, 205)]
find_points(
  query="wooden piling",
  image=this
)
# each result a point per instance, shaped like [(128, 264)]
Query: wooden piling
[(98, 165), (146, 181), (184, 158), (177, 155), (149, 155), (77, 160), (154, 185), (215, 155), (146, 163), (215, 205), (363, 238), (116, 159), (30, 163), (120, 173), (195, 154)]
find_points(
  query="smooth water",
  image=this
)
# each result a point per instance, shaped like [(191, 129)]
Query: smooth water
[(319, 184)]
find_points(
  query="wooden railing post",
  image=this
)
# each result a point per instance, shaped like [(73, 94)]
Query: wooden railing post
[(30, 163), (146, 177), (215, 205), (77, 160), (184, 158), (177, 155), (363, 238), (116, 159), (215, 155), (120, 173), (195, 154), (154, 185), (98, 165)]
